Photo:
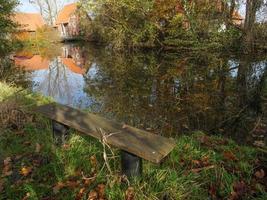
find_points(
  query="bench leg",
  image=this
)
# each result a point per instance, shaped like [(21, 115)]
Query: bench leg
[(131, 165), (60, 132)]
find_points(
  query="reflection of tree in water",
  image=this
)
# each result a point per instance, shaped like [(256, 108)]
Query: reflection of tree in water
[(178, 94), (56, 81), (62, 84)]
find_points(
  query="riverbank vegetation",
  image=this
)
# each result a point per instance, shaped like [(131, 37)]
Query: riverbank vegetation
[(200, 167), (7, 26), (174, 24)]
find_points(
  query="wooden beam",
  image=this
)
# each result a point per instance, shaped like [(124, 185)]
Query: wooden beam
[(141, 143)]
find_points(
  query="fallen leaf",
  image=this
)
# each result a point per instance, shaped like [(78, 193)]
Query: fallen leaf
[(7, 161), (66, 146), (7, 170), (38, 148), (27, 143), (228, 155), (101, 191), (80, 195), (93, 161), (72, 184), (204, 140), (58, 187), (260, 174), (93, 195), (25, 171), (129, 194), (240, 189), (213, 192), (28, 195), (196, 162)]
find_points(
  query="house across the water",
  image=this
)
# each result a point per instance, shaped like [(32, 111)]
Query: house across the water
[(67, 22), (28, 23)]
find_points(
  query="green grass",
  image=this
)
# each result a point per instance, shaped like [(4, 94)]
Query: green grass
[(197, 164)]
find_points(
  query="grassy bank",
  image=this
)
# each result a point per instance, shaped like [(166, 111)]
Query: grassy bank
[(32, 167)]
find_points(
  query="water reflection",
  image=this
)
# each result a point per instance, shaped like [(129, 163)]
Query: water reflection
[(167, 93), (61, 77)]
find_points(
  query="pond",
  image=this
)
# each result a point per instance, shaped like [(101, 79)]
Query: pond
[(166, 93)]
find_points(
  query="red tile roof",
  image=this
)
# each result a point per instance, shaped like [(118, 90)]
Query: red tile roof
[(29, 21), (65, 14)]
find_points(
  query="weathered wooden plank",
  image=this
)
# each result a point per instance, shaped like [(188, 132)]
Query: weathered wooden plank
[(138, 142)]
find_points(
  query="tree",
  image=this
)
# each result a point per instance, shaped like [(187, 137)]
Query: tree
[(49, 9), (7, 26), (252, 7)]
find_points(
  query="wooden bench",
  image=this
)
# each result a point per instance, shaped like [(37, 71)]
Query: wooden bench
[(134, 143)]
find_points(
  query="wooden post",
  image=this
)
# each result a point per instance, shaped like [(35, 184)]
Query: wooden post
[(60, 132), (131, 164)]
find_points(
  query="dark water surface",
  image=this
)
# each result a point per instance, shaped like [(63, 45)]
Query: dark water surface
[(169, 94)]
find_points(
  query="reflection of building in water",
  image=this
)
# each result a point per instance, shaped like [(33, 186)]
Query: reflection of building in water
[(73, 58), (32, 63), (60, 82), (61, 77)]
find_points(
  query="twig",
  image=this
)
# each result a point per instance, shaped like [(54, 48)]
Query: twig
[(203, 168), (105, 144)]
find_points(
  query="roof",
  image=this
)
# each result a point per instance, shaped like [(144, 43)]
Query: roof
[(65, 14), (29, 21)]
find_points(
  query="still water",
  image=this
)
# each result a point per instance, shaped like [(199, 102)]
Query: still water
[(167, 93)]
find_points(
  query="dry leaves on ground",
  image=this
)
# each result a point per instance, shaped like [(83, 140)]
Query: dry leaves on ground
[(25, 171), (93, 195), (13, 116), (81, 194), (260, 174), (98, 193), (129, 194), (67, 184), (7, 170), (228, 155), (38, 148), (239, 190)]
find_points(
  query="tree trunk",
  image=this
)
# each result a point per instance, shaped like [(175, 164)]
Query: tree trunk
[(251, 9)]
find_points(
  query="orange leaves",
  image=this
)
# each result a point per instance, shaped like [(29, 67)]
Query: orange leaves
[(80, 195), (228, 155), (92, 195), (129, 194), (98, 193), (101, 191), (260, 174), (25, 171), (67, 184)]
